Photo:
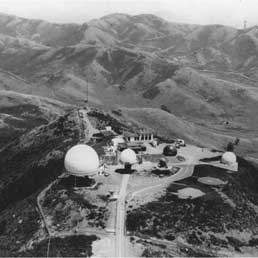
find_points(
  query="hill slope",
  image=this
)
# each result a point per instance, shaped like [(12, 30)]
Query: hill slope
[(138, 61), (19, 113)]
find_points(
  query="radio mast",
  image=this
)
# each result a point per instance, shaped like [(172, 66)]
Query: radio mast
[(245, 24)]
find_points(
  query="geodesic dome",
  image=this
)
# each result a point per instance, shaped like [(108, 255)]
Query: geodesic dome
[(128, 156), (228, 158), (81, 160)]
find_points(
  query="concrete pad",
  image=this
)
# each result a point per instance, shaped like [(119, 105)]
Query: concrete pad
[(104, 247), (190, 193), (211, 181)]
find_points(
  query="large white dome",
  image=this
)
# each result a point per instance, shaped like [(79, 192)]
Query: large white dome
[(228, 158), (128, 156), (81, 160)]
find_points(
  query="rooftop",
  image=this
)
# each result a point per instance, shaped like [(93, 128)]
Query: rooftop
[(137, 132)]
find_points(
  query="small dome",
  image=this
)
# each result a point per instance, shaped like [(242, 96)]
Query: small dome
[(228, 158), (128, 156), (81, 160), (170, 150)]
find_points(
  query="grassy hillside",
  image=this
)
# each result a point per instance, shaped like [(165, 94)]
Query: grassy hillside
[(140, 61), (36, 158), (27, 165), (41, 31), (171, 126), (19, 113)]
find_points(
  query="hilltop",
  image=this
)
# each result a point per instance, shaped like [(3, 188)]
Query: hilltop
[(32, 161), (28, 164)]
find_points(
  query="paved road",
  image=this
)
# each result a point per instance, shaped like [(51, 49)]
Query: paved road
[(183, 173), (120, 218)]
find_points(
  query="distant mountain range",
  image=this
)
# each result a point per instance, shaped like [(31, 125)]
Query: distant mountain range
[(211, 46), (203, 75)]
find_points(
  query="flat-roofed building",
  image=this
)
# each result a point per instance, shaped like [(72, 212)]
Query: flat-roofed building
[(141, 135)]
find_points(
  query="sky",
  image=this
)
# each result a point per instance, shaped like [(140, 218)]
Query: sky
[(226, 12)]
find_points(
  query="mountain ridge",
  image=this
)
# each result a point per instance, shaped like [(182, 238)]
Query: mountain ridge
[(140, 61), (195, 45)]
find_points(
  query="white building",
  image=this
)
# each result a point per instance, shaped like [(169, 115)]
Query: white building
[(138, 136)]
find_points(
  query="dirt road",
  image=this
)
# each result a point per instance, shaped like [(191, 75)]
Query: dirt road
[(88, 129)]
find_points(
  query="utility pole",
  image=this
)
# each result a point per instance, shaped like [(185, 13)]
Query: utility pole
[(87, 91), (245, 24), (149, 72)]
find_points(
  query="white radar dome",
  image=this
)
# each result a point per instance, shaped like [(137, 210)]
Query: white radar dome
[(81, 160), (228, 158), (128, 156)]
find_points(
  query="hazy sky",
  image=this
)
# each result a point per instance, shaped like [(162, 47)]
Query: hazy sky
[(228, 12)]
